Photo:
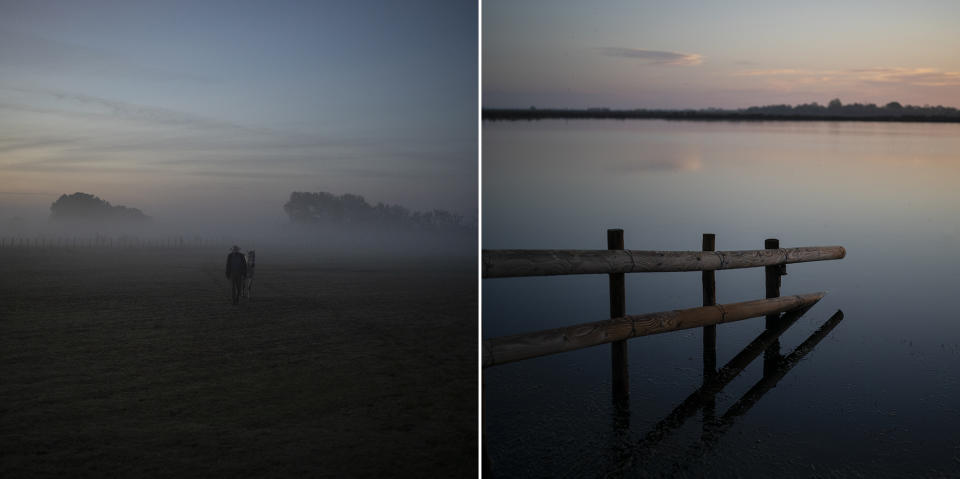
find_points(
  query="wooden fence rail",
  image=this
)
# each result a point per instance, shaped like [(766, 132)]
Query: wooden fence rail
[(517, 347), (615, 262), (514, 263)]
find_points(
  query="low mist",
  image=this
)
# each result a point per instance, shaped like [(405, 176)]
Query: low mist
[(333, 231)]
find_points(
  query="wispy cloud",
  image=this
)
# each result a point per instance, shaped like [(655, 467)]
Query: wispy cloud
[(202, 132), (904, 76), (124, 110), (913, 76), (54, 135), (777, 72), (13, 144), (655, 57), (36, 53)]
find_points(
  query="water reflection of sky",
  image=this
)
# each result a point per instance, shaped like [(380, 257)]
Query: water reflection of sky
[(882, 387)]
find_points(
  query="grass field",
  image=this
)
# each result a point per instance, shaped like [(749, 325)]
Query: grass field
[(134, 362)]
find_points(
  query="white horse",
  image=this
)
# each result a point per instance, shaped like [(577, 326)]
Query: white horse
[(251, 262)]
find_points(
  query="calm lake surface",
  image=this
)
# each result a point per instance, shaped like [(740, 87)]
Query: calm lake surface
[(879, 395)]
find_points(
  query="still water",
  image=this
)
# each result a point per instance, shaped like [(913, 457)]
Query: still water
[(879, 394)]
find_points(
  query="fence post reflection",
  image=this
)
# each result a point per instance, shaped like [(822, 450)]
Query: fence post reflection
[(704, 396)]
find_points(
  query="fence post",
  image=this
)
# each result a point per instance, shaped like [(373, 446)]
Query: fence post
[(773, 272), (618, 308), (708, 280), (771, 356), (709, 299)]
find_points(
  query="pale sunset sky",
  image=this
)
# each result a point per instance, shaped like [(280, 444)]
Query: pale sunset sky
[(222, 108), (729, 54)]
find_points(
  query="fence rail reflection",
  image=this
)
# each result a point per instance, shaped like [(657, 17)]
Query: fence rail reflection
[(780, 311)]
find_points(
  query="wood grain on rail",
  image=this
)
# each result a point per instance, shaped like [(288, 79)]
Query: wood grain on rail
[(513, 263), (551, 341)]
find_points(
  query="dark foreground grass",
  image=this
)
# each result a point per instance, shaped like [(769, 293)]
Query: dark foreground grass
[(135, 363)]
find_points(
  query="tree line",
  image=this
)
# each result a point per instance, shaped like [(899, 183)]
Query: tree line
[(349, 209), (301, 208), (834, 110)]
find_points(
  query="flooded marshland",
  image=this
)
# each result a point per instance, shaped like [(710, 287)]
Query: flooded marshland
[(865, 382)]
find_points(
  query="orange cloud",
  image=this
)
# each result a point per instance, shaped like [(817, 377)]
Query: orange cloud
[(912, 76), (777, 72)]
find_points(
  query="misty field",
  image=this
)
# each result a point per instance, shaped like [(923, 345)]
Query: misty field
[(134, 362)]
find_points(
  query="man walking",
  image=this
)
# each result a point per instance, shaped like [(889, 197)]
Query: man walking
[(236, 272)]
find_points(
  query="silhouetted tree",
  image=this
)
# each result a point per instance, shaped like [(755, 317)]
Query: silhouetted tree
[(84, 206), (323, 207)]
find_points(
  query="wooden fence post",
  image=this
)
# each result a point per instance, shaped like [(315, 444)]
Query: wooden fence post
[(708, 280), (773, 272), (709, 299), (771, 356), (618, 308)]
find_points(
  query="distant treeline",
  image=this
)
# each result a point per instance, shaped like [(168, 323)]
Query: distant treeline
[(833, 111), (302, 208), (349, 209), (84, 206)]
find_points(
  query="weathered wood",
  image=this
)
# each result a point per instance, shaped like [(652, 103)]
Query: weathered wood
[(709, 285), (541, 343), (708, 281), (619, 362), (513, 263), (772, 279), (773, 273)]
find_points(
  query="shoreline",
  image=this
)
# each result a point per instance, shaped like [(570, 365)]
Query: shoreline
[(562, 114)]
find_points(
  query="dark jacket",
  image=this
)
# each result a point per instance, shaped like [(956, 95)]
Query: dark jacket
[(236, 264)]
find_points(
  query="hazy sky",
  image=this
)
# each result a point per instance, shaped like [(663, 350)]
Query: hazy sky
[(735, 53), (190, 106)]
